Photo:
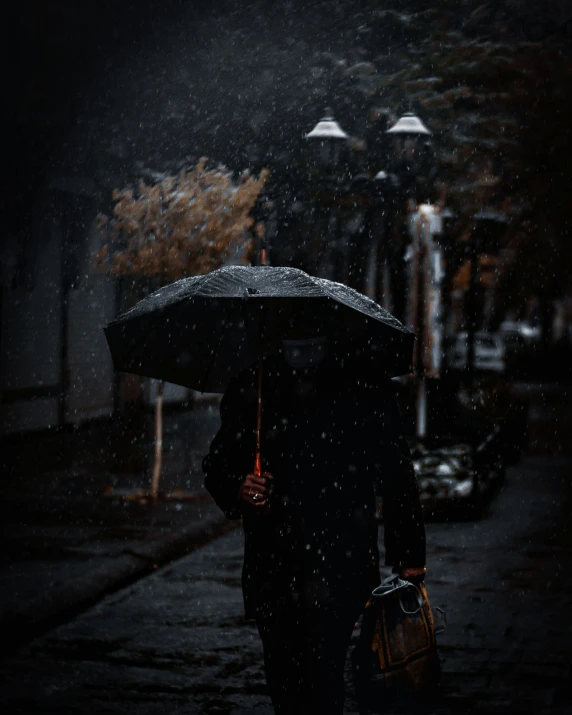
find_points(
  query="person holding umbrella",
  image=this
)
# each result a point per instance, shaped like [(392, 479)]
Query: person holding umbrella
[(310, 433), (331, 442)]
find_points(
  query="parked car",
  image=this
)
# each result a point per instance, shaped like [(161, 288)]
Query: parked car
[(490, 352), (511, 330)]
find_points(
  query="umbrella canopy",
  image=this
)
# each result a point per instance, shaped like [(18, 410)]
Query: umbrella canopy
[(202, 331)]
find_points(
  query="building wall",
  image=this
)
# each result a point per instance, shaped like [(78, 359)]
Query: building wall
[(31, 326), (55, 365), (89, 370)]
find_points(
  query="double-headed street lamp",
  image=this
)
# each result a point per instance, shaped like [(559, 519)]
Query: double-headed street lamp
[(408, 132), (378, 197), (382, 198)]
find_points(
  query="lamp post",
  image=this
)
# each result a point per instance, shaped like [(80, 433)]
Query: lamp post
[(363, 191), (390, 190), (386, 190), (329, 138), (409, 132)]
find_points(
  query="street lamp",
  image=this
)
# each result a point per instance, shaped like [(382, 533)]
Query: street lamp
[(329, 137), (370, 193), (408, 133), (409, 124), (380, 197), (377, 202)]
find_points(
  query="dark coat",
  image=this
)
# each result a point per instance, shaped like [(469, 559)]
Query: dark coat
[(332, 443)]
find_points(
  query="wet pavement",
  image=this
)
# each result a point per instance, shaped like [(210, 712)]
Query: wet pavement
[(75, 533), (176, 641), (123, 627)]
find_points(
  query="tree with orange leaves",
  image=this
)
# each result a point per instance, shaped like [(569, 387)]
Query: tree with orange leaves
[(182, 226)]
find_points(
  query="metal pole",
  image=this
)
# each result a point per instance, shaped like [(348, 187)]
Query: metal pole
[(258, 459), (417, 323), (471, 314), (470, 368), (421, 329), (158, 442), (421, 408)]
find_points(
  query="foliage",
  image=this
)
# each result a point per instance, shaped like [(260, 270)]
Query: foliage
[(497, 97), (181, 226)]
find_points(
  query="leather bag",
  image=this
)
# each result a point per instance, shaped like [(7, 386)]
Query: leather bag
[(396, 652)]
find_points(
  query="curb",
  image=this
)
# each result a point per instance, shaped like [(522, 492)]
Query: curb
[(65, 602)]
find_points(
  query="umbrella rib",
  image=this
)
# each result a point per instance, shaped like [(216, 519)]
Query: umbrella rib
[(209, 277), (332, 296)]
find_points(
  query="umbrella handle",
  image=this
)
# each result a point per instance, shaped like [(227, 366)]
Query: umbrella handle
[(258, 459)]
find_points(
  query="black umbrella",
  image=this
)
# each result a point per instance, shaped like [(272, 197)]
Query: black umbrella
[(202, 331)]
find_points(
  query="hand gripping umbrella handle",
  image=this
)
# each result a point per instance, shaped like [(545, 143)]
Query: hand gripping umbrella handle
[(257, 464)]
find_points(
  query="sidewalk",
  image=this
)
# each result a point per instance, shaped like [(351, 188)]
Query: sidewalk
[(71, 536)]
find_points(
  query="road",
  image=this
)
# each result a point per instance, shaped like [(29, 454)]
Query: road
[(176, 642)]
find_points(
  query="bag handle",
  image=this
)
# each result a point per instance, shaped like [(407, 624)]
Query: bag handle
[(392, 584), (419, 603)]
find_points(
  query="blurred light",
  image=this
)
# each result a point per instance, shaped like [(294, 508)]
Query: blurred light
[(426, 209)]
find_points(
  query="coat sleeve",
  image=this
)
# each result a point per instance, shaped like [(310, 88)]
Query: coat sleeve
[(404, 529), (231, 454)]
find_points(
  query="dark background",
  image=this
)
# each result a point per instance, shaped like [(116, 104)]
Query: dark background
[(107, 87)]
